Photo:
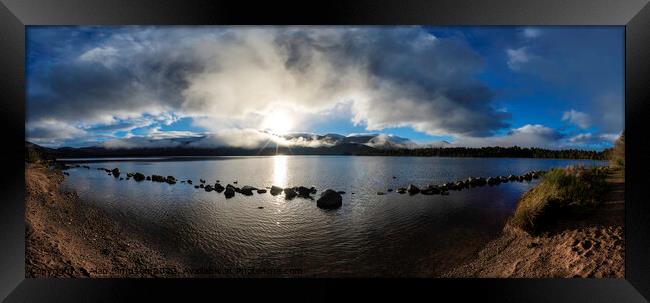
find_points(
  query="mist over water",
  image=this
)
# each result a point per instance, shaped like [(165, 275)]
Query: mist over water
[(370, 235)]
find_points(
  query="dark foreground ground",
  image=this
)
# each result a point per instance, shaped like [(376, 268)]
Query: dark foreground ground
[(64, 238), (591, 245)]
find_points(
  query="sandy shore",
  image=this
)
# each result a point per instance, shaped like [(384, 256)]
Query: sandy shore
[(591, 246), (65, 238)]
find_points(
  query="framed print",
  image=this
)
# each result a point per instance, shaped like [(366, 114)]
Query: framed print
[(478, 150)]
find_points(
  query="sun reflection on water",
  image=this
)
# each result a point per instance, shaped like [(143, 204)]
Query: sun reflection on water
[(280, 170)]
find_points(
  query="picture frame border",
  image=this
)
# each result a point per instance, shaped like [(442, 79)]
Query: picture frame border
[(634, 16)]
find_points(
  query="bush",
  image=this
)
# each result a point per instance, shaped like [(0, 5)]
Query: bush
[(561, 191), (618, 153)]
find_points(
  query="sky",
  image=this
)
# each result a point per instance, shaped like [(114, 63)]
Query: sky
[(135, 86)]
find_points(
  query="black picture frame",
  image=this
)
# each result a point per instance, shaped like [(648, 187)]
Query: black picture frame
[(633, 14)]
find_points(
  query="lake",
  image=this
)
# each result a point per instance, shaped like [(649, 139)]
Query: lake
[(370, 235)]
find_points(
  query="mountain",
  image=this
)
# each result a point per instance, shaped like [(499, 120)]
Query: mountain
[(381, 141), (205, 145)]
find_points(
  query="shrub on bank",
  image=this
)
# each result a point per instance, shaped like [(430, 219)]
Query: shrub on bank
[(561, 191)]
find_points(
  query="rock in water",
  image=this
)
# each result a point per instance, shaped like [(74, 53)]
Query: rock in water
[(208, 188), (157, 178), (247, 190), (261, 191), (148, 178), (329, 199), (218, 187), (412, 189), (230, 192), (303, 192), (116, 172), (275, 190), (430, 190), (138, 177), (380, 193), (289, 193)]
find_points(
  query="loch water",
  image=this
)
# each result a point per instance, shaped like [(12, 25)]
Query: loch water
[(371, 235)]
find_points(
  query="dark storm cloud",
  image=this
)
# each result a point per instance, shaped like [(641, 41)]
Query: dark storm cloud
[(393, 76)]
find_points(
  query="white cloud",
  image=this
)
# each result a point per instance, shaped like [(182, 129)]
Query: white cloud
[(529, 135), (610, 137), (517, 57), (233, 77), (581, 138), (531, 32), (102, 55), (577, 118), (48, 131)]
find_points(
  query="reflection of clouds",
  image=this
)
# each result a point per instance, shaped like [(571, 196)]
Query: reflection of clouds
[(280, 170)]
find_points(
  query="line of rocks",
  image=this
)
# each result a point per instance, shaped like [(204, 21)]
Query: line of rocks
[(329, 199), (471, 182)]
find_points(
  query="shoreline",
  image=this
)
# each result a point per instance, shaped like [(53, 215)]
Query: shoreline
[(65, 238), (589, 246)]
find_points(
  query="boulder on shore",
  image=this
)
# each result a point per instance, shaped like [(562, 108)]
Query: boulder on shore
[(329, 199), (208, 188), (261, 191), (218, 187)]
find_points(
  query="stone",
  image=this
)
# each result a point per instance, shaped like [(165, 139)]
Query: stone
[(329, 199)]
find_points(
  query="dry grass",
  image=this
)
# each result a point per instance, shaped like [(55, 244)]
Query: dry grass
[(562, 191)]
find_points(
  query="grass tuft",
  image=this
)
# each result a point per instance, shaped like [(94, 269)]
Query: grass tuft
[(561, 191)]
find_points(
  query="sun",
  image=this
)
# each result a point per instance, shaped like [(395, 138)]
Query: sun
[(278, 121)]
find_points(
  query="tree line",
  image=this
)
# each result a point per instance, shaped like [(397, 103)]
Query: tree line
[(496, 152)]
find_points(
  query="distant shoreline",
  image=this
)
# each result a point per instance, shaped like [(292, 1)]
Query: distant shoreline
[(199, 158), (348, 149)]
